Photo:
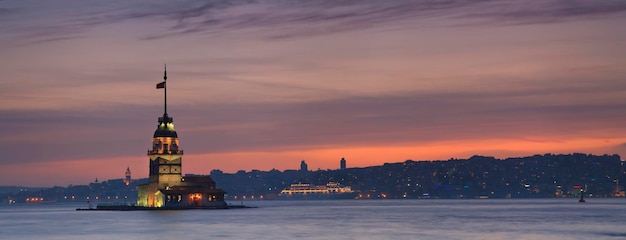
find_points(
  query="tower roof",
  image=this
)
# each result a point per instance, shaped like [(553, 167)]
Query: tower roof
[(165, 127)]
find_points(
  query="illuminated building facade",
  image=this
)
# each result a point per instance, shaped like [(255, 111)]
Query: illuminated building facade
[(167, 187)]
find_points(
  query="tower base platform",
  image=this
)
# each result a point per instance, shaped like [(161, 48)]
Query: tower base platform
[(140, 208)]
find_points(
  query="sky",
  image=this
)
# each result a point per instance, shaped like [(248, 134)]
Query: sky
[(266, 84)]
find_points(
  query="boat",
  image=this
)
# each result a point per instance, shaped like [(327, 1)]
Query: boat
[(307, 191)]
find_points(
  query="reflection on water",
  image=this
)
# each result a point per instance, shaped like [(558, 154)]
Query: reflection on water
[(332, 219)]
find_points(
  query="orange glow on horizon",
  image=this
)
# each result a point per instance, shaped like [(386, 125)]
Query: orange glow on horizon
[(84, 171), (369, 156)]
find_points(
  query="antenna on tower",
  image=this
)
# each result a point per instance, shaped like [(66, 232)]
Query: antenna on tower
[(165, 86), (165, 119)]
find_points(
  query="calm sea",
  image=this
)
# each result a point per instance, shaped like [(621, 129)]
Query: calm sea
[(330, 219)]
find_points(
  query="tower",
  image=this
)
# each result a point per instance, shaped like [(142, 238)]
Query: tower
[(342, 163), (304, 167), (127, 179), (166, 186), (165, 158)]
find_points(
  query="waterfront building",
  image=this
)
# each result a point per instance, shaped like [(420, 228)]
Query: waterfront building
[(167, 187)]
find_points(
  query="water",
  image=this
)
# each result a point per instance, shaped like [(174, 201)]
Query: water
[(331, 219)]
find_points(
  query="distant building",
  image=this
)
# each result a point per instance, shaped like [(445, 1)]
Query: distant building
[(304, 167), (342, 163), (127, 178), (167, 187)]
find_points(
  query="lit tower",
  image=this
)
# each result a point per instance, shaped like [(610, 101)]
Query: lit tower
[(165, 158), (127, 179), (166, 186)]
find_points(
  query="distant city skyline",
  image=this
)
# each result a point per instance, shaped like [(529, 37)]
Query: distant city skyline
[(267, 84)]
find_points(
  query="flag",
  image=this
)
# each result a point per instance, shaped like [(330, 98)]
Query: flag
[(161, 85)]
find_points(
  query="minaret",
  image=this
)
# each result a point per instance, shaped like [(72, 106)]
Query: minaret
[(165, 156), (127, 179)]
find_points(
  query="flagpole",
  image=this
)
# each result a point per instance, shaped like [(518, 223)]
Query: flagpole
[(165, 87)]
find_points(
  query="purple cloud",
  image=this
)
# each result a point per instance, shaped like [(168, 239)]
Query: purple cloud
[(287, 19)]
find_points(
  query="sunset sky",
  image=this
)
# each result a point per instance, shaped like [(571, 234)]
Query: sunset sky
[(265, 84)]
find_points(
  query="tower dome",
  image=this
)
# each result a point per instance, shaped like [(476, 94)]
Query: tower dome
[(165, 128)]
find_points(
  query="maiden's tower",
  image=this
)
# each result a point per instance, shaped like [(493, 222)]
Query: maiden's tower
[(167, 187)]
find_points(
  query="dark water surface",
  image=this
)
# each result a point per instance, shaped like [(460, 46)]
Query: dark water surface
[(330, 219)]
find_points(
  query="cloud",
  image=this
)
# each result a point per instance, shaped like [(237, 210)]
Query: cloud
[(530, 109), (48, 135), (535, 108), (52, 34), (286, 19), (4, 11), (537, 12), (290, 18)]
